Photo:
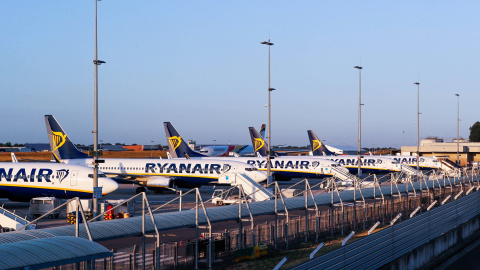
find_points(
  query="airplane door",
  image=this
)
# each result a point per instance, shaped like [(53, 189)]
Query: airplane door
[(73, 178)]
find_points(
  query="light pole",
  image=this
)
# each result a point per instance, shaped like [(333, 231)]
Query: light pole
[(359, 119), (96, 62), (458, 128), (269, 44), (359, 174), (418, 124)]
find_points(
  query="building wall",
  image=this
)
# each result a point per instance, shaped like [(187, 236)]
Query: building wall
[(134, 147), (464, 157), (469, 151)]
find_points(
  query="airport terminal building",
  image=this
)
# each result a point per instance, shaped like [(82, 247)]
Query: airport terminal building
[(469, 152)]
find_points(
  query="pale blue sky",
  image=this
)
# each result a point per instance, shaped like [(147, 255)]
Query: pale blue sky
[(200, 65)]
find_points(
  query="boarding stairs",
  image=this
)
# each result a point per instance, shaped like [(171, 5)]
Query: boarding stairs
[(408, 170), (13, 221), (343, 174), (449, 167), (254, 190)]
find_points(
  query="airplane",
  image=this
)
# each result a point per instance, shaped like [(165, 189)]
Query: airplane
[(282, 168), (230, 150), (26, 180), (375, 165), (226, 150), (147, 173), (425, 163)]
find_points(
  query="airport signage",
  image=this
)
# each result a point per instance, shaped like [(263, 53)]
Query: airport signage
[(97, 192)]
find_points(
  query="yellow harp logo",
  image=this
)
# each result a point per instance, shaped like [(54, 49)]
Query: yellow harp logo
[(175, 141), (316, 144), (259, 143), (58, 141)]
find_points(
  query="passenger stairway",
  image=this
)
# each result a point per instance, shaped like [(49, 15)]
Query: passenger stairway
[(13, 221), (343, 174), (252, 189), (450, 168), (448, 165), (410, 170)]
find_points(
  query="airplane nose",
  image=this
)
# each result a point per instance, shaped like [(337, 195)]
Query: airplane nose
[(108, 185), (261, 176)]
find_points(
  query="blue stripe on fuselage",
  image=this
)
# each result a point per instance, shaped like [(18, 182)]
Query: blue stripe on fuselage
[(30, 192), (291, 174), (354, 170)]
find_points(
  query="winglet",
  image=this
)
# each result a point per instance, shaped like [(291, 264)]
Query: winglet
[(14, 158)]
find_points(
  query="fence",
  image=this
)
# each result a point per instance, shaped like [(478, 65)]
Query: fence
[(302, 226), (390, 243)]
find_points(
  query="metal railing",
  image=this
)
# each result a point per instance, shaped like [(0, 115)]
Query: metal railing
[(15, 217), (394, 241)]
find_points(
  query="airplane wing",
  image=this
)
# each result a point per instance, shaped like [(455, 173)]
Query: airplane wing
[(286, 152), (143, 180)]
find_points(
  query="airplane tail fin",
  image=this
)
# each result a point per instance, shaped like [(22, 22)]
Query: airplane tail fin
[(260, 147), (177, 147), (262, 130), (318, 148), (60, 145)]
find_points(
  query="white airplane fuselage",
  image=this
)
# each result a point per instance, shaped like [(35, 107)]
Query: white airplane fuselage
[(161, 172), (25, 180), (368, 164), (425, 163), (287, 167)]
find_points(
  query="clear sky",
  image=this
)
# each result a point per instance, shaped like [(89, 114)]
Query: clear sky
[(200, 65)]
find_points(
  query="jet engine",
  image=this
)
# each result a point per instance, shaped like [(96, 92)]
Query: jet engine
[(159, 182)]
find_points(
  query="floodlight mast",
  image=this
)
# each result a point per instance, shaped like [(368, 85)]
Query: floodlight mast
[(359, 174), (96, 62), (418, 124), (270, 89), (458, 128)]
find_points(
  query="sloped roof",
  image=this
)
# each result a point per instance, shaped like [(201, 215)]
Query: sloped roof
[(49, 252)]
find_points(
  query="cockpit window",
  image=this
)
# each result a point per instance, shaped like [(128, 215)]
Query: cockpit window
[(251, 169), (435, 160), (395, 162)]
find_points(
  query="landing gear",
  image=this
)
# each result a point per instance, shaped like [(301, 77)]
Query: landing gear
[(140, 190)]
